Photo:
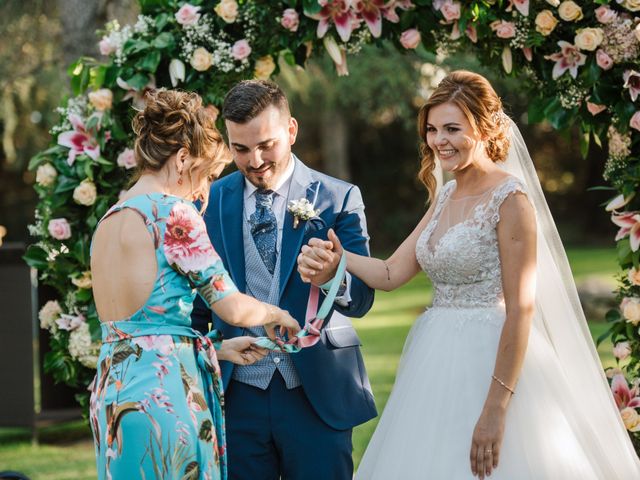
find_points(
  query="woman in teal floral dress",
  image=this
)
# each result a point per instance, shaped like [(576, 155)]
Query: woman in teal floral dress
[(156, 407)]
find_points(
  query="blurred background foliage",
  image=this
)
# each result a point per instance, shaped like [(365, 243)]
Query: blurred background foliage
[(361, 128)]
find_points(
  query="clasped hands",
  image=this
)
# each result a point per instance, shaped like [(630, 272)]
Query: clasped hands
[(317, 264), (318, 260)]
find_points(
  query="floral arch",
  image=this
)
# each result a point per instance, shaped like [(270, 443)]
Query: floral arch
[(579, 62)]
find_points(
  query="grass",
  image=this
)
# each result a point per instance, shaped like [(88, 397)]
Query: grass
[(383, 333)]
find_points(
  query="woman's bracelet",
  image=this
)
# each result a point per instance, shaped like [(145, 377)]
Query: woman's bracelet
[(503, 384)]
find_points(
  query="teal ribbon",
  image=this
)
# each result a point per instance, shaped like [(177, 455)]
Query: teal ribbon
[(309, 335)]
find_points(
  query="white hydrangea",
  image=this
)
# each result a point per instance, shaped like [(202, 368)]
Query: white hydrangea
[(48, 314), (82, 348)]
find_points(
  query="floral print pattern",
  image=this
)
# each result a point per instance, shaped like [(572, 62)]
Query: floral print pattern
[(156, 406)]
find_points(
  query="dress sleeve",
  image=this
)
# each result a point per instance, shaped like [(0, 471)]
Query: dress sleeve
[(509, 187), (189, 251)]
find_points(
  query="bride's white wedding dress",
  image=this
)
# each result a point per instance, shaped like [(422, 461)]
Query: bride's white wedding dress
[(445, 372)]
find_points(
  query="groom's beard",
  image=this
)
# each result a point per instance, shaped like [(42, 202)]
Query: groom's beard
[(267, 176)]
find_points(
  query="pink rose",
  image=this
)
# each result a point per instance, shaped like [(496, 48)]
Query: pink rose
[(635, 121), (595, 108), (59, 228), (241, 50), (605, 15), (622, 350), (106, 47), (603, 60), (290, 20), (410, 38), (188, 15), (450, 10), (503, 29), (127, 159)]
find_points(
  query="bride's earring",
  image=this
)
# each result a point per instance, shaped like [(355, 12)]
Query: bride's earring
[(179, 177)]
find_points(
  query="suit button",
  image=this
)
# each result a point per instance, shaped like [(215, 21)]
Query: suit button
[(276, 360)]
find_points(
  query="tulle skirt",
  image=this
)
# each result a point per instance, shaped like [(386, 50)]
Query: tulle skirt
[(441, 385)]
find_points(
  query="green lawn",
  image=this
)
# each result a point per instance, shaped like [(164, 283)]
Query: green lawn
[(382, 332)]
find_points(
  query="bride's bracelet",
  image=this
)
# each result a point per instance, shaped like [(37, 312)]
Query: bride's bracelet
[(503, 384)]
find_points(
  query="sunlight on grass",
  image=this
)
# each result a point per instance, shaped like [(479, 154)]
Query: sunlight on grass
[(383, 333)]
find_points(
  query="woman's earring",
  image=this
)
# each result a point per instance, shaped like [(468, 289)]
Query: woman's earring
[(180, 177)]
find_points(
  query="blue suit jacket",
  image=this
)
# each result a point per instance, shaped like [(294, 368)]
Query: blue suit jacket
[(332, 372)]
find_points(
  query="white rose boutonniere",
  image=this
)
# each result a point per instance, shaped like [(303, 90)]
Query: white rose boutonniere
[(301, 210)]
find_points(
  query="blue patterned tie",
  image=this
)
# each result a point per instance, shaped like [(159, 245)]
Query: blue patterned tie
[(264, 228)]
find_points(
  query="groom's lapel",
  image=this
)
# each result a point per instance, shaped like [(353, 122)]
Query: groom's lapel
[(231, 211), (302, 186)]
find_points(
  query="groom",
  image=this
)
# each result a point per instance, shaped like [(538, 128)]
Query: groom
[(287, 416)]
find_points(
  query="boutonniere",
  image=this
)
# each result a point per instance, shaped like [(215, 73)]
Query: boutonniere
[(301, 210)]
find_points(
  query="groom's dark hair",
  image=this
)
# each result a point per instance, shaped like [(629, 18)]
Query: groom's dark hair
[(249, 98)]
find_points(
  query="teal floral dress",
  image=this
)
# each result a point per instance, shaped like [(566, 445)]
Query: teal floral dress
[(156, 407)]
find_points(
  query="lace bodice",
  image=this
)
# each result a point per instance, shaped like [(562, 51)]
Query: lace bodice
[(464, 263)]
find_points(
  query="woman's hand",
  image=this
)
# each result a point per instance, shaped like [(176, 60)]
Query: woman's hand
[(487, 441), (241, 351), (318, 260), (281, 318)]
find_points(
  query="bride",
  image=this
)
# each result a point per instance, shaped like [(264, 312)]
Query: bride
[(500, 376)]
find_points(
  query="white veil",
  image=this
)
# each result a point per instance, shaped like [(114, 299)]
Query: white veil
[(560, 318)]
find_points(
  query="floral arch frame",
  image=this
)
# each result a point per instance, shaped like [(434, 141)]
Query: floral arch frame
[(580, 64)]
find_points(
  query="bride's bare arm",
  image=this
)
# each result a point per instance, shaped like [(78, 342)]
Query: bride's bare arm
[(517, 246), (386, 275)]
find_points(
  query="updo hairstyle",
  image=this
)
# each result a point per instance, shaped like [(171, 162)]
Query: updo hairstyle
[(172, 120)]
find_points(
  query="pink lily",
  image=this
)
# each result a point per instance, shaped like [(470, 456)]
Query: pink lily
[(568, 58), (619, 202), (629, 224), (471, 32), (389, 11), (340, 13), (521, 5), (623, 395), (338, 55), (79, 140), (632, 82), (137, 95), (371, 11)]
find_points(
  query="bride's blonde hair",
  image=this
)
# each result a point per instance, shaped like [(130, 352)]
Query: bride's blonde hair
[(475, 96)]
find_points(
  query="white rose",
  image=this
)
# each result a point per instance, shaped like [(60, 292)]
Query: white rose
[(46, 175), (83, 281), (631, 311), (589, 38), (631, 5), (631, 419), (227, 10), (546, 22), (101, 99), (264, 67), (569, 11), (85, 193), (201, 59), (553, 3), (49, 313)]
